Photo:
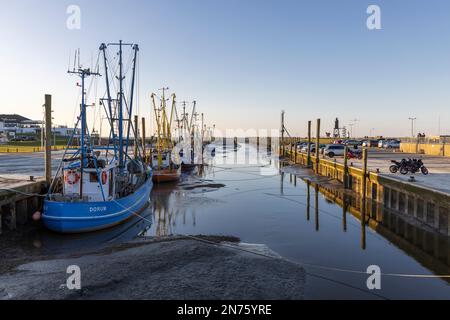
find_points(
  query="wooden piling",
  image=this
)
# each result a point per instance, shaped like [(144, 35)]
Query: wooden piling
[(308, 159), (295, 153), (364, 174), (317, 145), (345, 178), (48, 139)]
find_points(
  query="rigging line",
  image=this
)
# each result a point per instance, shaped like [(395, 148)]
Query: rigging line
[(347, 285), (23, 193)]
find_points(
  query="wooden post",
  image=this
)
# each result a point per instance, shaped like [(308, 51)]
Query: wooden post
[(136, 136), (48, 139), (364, 174), (295, 153), (144, 153), (346, 186), (317, 145), (308, 158)]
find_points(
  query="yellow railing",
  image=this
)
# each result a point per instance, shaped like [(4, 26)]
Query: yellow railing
[(27, 149)]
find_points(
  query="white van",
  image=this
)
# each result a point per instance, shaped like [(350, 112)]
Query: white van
[(332, 150)]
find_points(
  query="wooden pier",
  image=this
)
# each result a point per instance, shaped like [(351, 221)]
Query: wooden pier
[(18, 199)]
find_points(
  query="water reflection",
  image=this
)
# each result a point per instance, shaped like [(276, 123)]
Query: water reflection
[(427, 246)]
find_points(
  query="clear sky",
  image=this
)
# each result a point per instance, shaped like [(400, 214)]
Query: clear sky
[(245, 60)]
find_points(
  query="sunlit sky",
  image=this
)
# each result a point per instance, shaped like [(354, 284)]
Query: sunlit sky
[(245, 60)]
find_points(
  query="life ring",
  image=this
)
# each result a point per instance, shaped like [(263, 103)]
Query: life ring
[(104, 177), (71, 177)]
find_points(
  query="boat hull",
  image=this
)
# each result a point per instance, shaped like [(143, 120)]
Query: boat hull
[(187, 167), (77, 217), (166, 175)]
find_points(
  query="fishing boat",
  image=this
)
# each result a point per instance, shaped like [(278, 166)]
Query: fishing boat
[(96, 187), (164, 166)]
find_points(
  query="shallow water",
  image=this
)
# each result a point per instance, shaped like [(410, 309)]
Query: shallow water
[(244, 193)]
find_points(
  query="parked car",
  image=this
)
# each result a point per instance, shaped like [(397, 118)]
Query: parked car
[(370, 143), (312, 147), (300, 145), (392, 144), (333, 150), (381, 142), (352, 143)]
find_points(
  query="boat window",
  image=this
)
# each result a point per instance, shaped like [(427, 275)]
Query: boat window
[(93, 177)]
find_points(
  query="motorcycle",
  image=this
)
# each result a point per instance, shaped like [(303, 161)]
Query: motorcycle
[(410, 165), (354, 154), (397, 165)]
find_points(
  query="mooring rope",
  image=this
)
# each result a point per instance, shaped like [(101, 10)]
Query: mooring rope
[(24, 193)]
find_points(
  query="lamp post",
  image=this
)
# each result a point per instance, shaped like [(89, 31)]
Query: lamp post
[(412, 119)]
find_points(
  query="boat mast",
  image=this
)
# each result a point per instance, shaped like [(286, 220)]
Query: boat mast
[(83, 73), (130, 111), (121, 99), (108, 92), (121, 162)]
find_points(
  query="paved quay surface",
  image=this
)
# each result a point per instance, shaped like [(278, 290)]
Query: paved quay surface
[(439, 168)]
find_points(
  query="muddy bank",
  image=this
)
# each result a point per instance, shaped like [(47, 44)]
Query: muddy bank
[(176, 268)]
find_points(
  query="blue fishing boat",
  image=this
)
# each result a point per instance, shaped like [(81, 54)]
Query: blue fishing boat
[(101, 185)]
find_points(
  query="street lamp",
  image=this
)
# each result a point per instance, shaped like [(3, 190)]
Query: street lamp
[(351, 129), (412, 125)]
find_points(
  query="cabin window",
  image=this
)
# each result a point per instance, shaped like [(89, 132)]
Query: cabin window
[(93, 177)]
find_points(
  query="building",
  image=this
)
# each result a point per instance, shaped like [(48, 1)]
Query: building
[(14, 124), (65, 131)]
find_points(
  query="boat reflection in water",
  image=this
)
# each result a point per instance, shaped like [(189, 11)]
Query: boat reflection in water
[(169, 199), (54, 243)]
